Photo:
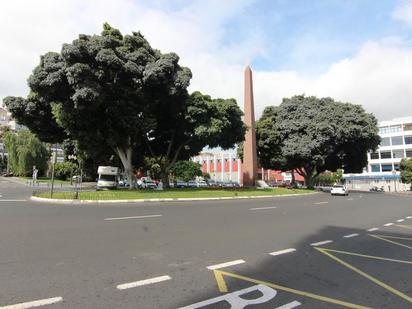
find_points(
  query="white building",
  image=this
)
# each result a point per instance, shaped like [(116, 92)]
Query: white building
[(383, 165)]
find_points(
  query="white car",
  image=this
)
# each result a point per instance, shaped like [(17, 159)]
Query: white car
[(339, 190)]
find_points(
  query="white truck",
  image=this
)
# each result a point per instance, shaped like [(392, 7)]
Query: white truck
[(108, 177)]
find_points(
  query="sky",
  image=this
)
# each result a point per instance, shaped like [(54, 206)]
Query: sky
[(357, 51)]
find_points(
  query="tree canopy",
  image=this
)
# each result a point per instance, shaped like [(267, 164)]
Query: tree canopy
[(25, 151), (114, 91), (313, 135), (186, 170), (406, 171)]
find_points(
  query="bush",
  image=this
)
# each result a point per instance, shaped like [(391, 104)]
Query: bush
[(63, 170)]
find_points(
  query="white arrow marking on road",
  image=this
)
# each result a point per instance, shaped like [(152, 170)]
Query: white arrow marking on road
[(351, 235), (136, 217), (143, 282), (283, 251), (261, 208), (373, 229), (321, 243), (291, 305), (36, 303), (227, 264)]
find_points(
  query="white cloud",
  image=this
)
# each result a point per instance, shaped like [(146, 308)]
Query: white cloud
[(377, 76), (403, 12)]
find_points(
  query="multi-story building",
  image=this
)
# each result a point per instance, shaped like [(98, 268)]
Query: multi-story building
[(226, 166), (383, 164)]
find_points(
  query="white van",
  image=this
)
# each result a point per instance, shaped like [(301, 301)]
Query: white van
[(108, 177)]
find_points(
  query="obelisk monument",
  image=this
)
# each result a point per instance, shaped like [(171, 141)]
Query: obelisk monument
[(249, 146)]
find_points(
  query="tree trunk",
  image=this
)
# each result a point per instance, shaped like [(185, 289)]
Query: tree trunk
[(293, 179), (309, 179), (165, 179), (125, 156)]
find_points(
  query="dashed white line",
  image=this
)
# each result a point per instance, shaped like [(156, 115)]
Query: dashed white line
[(318, 203), (227, 264), (283, 251), (35, 303), (130, 285), (409, 217), (388, 224), (373, 229), (350, 199), (291, 305), (351, 235), (321, 243), (262, 208), (136, 217), (400, 220)]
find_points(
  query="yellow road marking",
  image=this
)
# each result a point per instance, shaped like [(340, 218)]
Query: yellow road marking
[(404, 226), (392, 237), (368, 256), (286, 289), (220, 281), (373, 279), (391, 241)]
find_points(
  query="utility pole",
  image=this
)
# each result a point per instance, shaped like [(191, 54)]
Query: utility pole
[(53, 162)]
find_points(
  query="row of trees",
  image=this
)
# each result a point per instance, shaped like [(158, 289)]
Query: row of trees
[(113, 94)]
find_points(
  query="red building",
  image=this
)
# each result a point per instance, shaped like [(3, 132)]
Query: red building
[(226, 166)]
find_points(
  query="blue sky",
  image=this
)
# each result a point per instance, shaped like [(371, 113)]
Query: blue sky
[(357, 51)]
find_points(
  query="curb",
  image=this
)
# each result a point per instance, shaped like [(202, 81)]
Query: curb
[(79, 202)]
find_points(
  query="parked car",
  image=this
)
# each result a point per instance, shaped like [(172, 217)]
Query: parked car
[(146, 183), (123, 182), (339, 190), (180, 184), (377, 189), (230, 184), (202, 184), (192, 184)]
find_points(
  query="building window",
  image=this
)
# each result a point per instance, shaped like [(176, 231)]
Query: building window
[(386, 155), (397, 140), (409, 153), (383, 130), (396, 167), (386, 167), (375, 168), (385, 141), (407, 127), (374, 155), (394, 129), (408, 140), (398, 153)]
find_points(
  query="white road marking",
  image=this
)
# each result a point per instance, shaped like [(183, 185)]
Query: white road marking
[(291, 305), (261, 208), (409, 217), (351, 235), (36, 303), (400, 220), (136, 217), (130, 285), (350, 199), (318, 203), (388, 224), (321, 243), (227, 264), (283, 251), (373, 229)]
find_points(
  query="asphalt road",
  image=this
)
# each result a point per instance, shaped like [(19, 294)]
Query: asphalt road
[(207, 254)]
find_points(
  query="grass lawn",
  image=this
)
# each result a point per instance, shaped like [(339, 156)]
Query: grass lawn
[(171, 193)]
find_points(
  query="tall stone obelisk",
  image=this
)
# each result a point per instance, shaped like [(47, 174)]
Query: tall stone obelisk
[(249, 146)]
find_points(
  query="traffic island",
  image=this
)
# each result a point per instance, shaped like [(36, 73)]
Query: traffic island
[(132, 196)]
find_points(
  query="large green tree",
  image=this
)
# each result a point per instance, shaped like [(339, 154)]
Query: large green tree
[(312, 135), (198, 122), (99, 90), (186, 170), (25, 151), (406, 171)]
